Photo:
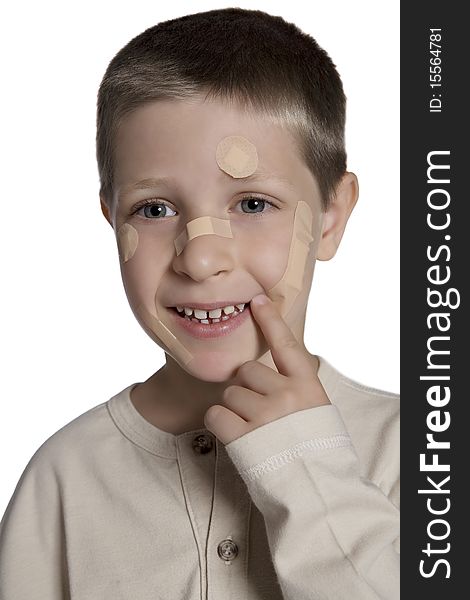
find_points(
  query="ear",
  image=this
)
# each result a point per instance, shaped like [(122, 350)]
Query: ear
[(337, 215), (105, 210)]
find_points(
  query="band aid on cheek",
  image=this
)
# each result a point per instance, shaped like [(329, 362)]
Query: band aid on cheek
[(202, 226), (237, 156), (287, 289), (164, 335), (127, 238)]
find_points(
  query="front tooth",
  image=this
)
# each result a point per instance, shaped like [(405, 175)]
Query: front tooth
[(179, 308), (188, 311), (200, 314), (215, 314), (240, 306), (228, 310)]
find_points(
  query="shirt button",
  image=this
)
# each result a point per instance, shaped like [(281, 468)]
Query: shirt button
[(227, 550), (202, 443)]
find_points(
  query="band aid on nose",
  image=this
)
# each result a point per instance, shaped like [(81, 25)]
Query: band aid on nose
[(202, 226), (237, 156), (287, 289), (127, 239)]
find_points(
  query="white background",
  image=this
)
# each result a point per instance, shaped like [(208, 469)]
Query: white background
[(68, 337)]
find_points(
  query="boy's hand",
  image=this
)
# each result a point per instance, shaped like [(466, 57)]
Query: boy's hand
[(262, 395)]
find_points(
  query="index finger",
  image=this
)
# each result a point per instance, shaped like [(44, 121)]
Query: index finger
[(288, 355)]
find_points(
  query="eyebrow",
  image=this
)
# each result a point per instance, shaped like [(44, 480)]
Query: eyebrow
[(260, 176), (145, 184), (153, 182)]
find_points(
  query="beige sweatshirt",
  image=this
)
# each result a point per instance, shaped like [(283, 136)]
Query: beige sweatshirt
[(304, 508)]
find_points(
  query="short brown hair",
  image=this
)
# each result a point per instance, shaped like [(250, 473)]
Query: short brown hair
[(247, 56)]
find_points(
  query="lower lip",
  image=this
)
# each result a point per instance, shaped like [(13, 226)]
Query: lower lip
[(203, 330)]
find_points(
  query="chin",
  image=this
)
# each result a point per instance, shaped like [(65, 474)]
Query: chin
[(215, 367)]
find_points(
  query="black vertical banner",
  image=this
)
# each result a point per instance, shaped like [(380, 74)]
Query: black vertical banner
[(435, 259)]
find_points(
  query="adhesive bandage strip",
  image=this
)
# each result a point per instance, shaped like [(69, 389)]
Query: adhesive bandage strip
[(287, 289), (237, 156), (202, 226), (164, 335), (127, 238)]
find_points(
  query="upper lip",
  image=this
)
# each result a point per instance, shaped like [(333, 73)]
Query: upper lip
[(211, 305)]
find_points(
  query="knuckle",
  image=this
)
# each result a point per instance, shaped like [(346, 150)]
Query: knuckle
[(288, 397), (228, 392), (212, 413), (247, 367)]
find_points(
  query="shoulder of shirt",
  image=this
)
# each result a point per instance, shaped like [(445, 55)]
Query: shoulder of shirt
[(372, 419), (350, 396), (78, 440)]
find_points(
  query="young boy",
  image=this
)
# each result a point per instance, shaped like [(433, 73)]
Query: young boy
[(246, 467)]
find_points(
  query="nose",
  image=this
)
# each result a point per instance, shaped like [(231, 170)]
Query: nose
[(205, 256)]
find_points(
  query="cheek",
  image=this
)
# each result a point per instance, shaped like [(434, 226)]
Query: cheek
[(141, 268), (264, 250), (127, 240), (296, 249), (266, 259)]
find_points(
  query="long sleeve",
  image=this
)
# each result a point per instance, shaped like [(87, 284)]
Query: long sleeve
[(333, 533), (32, 552)]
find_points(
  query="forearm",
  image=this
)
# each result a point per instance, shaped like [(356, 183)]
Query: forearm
[(331, 532)]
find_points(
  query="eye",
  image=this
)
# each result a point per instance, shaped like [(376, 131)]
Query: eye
[(154, 210), (253, 205)]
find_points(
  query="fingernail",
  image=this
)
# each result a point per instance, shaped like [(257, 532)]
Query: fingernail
[(260, 299)]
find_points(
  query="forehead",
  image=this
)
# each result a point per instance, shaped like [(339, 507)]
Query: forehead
[(177, 140)]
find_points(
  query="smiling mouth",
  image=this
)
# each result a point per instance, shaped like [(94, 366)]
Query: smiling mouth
[(209, 317)]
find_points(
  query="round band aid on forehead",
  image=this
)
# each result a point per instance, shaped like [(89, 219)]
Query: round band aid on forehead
[(237, 156), (202, 226), (127, 238)]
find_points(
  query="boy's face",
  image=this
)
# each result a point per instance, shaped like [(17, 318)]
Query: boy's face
[(171, 146)]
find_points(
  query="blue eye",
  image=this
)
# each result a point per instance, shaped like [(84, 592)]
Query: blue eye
[(151, 209), (155, 210), (253, 205)]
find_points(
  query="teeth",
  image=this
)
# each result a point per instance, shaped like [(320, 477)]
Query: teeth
[(216, 313)]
